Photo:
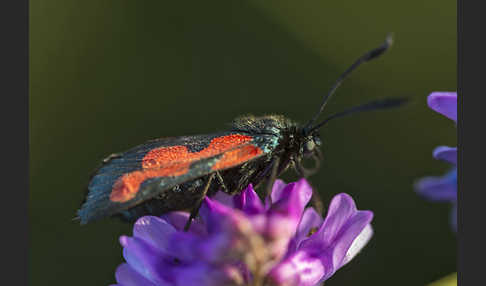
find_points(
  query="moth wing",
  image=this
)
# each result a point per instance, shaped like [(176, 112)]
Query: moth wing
[(141, 173)]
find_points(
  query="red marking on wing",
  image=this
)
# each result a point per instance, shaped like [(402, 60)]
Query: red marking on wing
[(237, 156), (176, 160)]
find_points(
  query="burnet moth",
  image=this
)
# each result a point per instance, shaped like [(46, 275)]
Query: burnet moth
[(176, 173)]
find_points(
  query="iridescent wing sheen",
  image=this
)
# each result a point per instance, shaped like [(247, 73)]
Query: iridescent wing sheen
[(141, 173)]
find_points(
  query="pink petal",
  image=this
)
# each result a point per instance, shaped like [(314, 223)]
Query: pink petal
[(358, 244), (348, 235), (341, 209), (299, 269), (248, 201), (286, 213), (310, 219), (301, 187), (277, 189), (341, 228)]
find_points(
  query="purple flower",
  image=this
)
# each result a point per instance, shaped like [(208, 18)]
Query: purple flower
[(443, 188), (241, 240)]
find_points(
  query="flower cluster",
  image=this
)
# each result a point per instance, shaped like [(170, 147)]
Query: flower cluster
[(241, 240), (443, 188)]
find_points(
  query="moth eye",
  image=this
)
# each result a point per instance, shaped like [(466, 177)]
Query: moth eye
[(310, 145)]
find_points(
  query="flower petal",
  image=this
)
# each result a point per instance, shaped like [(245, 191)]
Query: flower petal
[(444, 103), (341, 209), (201, 274), (299, 269), (224, 226), (284, 216), (144, 258), (286, 213), (217, 216), (342, 226), (178, 219), (358, 244), (154, 231), (212, 248), (248, 201), (209, 211), (438, 188), (277, 188), (304, 189), (350, 232), (301, 188), (127, 276), (445, 153), (223, 198), (310, 219), (162, 253)]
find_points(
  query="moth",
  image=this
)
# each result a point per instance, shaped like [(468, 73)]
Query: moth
[(176, 173)]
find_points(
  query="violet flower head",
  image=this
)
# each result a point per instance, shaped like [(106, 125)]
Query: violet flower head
[(240, 240), (443, 188)]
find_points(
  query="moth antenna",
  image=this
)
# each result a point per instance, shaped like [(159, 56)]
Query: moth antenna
[(373, 105), (363, 59)]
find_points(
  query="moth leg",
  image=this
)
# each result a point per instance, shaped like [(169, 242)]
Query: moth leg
[(272, 178), (221, 182), (316, 198), (317, 201), (195, 210)]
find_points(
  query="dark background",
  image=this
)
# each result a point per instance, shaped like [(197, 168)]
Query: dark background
[(108, 75)]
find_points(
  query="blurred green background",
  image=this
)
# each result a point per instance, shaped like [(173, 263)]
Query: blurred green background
[(108, 75)]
